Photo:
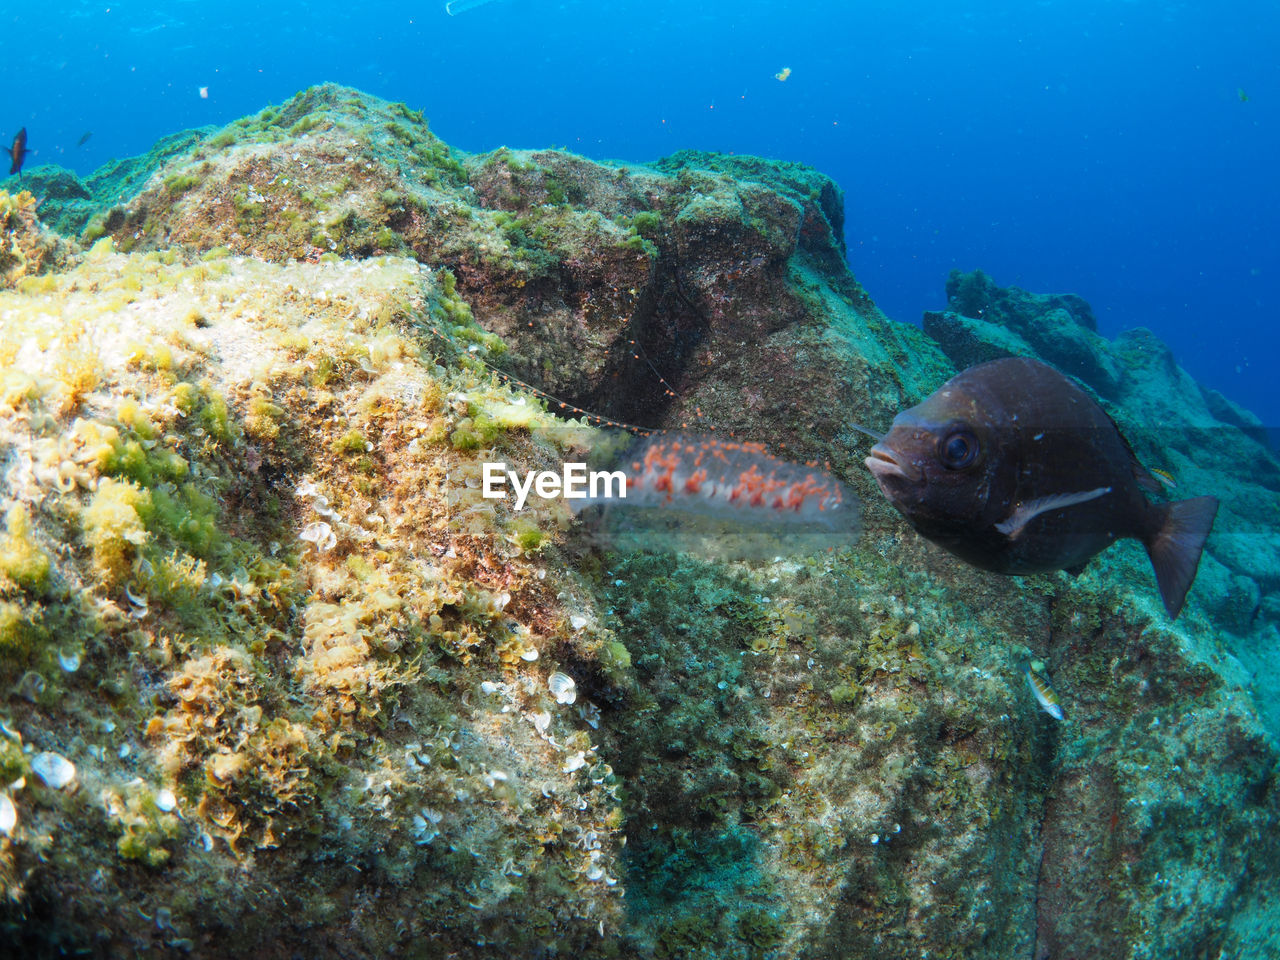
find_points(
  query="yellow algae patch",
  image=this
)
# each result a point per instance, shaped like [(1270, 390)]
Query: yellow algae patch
[(113, 526), (238, 319), (21, 561)]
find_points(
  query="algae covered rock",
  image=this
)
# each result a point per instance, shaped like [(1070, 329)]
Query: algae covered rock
[(238, 695), (27, 247), (323, 697)]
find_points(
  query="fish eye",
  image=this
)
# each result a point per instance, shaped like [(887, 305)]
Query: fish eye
[(958, 449)]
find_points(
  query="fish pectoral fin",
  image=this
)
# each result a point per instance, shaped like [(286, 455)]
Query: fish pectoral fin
[(1013, 525)]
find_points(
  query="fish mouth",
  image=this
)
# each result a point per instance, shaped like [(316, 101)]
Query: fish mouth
[(887, 468)]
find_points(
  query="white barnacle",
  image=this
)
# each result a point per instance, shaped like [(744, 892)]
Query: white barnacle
[(494, 777), (575, 762), (489, 687), (541, 720), (562, 687), (165, 800), (138, 604), (70, 662), (320, 534), (54, 770), (8, 815), (577, 621), (423, 830), (412, 759), (30, 686), (321, 506)]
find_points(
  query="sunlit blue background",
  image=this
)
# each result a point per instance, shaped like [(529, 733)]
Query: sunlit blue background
[(1125, 151)]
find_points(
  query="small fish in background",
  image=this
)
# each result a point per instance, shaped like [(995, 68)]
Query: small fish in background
[(84, 138), (1014, 468), (1043, 691), (18, 152), (782, 74), (1241, 95)]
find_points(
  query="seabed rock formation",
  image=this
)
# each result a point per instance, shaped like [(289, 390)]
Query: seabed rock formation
[(302, 670)]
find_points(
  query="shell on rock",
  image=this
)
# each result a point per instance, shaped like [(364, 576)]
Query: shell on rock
[(54, 770), (562, 687)]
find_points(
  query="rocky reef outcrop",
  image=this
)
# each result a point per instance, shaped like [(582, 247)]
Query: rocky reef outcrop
[(318, 695)]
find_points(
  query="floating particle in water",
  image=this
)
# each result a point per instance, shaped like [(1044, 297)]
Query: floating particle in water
[(54, 770), (562, 687)]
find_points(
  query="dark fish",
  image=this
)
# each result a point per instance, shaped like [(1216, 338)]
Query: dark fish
[(84, 138), (1014, 468), (18, 152)]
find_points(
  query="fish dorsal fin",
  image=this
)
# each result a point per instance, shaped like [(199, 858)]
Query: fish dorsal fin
[(1175, 547), (1013, 525)]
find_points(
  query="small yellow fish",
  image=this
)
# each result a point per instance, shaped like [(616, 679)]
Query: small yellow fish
[(1044, 693), (782, 74), (1165, 477)]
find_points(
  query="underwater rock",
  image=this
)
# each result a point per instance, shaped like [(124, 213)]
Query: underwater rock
[(294, 325), (1230, 412), (27, 247), (662, 295), (1057, 328)]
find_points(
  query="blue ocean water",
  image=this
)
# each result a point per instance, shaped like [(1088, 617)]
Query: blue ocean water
[(1123, 151)]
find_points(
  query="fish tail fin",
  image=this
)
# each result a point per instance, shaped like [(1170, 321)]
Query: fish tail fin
[(1176, 545)]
